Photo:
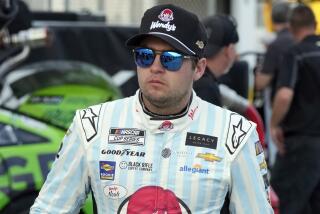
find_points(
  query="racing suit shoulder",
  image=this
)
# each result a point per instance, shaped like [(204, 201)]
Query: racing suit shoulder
[(238, 130), (90, 119)]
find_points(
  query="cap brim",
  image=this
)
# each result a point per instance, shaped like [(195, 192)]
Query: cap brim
[(135, 41), (211, 50)]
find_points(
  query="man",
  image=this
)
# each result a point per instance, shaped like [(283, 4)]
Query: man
[(220, 53), (267, 75), (157, 152), (221, 56), (295, 121), (275, 51)]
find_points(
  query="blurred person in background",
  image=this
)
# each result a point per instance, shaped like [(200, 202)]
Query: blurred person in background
[(295, 121), (220, 53), (158, 151), (266, 75), (221, 56)]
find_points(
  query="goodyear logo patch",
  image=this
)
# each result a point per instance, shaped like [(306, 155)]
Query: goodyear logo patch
[(107, 170), (126, 136)]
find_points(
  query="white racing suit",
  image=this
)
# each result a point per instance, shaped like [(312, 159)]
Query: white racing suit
[(138, 164)]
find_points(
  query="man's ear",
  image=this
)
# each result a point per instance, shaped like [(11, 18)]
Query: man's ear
[(200, 68)]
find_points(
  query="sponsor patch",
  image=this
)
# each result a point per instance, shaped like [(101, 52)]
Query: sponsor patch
[(126, 136), (89, 120), (196, 169), (237, 131), (266, 181), (166, 126), (107, 170), (258, 148), (135, 165), (166, 16), (201, 140), (166, 152), (263, 165), (115, 191), (209, 157), (183, 154), (122, 152)]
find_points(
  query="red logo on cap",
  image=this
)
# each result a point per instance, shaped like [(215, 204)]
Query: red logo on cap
[(166, 15)]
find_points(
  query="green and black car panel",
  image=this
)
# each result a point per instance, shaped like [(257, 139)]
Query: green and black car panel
[(34, 119), (28, 147)]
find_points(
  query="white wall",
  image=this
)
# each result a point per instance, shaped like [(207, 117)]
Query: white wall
[(245, 12)]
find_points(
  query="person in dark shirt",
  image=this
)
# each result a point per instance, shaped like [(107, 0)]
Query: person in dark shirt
[(221, 56), (220, 53), (267, 75), (295, 121)]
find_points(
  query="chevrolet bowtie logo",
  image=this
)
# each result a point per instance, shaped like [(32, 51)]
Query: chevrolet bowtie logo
[(208, 157)]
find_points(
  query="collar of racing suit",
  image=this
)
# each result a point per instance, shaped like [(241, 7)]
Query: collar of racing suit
[(170, 123)]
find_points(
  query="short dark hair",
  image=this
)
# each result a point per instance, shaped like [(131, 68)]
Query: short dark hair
[(302, 16), (280, 12)]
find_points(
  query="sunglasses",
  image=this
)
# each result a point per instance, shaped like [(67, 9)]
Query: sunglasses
[(170, 60)]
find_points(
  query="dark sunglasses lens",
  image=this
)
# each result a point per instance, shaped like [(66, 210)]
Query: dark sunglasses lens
[(171, 61), (143, 57)]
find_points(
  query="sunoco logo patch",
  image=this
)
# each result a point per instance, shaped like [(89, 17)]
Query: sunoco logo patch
[(126, 136), (107, 170)]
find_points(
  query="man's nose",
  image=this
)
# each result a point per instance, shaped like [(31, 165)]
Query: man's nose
[(156, 66)]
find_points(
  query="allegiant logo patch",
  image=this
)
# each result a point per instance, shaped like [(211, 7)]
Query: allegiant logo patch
[(196, 169), (107, 170)]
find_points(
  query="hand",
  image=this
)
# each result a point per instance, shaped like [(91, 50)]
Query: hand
[(278, 139)]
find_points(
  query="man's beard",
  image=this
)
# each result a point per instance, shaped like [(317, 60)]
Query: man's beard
[(165, 101)]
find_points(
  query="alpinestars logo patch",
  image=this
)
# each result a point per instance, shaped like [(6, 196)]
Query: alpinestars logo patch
[(238, 129), (89, 120)]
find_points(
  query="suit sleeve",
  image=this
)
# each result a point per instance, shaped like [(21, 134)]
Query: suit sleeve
[(249, 180), (67, 184)]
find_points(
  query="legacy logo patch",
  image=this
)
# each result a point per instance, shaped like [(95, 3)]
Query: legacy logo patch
[(201, 140), (126, 136), (237, 131), (107, 170)]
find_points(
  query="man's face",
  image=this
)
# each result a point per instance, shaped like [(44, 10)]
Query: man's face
[(232, 54), (160, 87)]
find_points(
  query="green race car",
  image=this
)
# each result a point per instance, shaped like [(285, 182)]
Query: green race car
[(38, 103)]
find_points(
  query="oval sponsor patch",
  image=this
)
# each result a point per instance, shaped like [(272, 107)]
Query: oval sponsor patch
[(115, 191)]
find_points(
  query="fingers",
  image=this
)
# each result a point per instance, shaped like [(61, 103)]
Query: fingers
[(278, 139)]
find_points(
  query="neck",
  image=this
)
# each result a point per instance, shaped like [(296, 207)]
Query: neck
[(280, 26), (301, 34), (166, 109)]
